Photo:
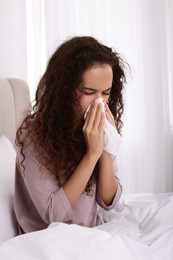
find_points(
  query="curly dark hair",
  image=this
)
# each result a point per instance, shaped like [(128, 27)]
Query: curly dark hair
[(53, 123)]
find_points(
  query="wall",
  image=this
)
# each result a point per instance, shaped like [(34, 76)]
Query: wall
[(13, 40)]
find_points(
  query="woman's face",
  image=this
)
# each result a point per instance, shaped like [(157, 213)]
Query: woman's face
[(97, 82)]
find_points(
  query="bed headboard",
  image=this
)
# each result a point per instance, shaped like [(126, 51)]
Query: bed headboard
[(14, 101)]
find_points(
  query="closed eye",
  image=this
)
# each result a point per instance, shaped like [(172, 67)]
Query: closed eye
[(87, 92), (90, 91), (107, 92)]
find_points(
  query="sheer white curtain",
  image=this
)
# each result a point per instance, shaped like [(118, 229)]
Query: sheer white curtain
[(141, 30), (36, 43)]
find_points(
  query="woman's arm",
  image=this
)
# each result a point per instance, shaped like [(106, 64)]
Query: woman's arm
[(93, 132), (107, 183), (75, 185)]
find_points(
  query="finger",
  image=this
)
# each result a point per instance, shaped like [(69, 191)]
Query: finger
[(86, 115), (108, 116), (90, 116), (97, 116), (102, 122), (108, 111)]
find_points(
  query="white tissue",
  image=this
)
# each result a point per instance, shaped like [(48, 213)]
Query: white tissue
[(112, 139)]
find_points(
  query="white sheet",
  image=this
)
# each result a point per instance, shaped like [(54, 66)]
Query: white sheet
[(141, 227)]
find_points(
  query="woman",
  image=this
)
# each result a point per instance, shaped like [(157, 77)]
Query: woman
[(62, 170)]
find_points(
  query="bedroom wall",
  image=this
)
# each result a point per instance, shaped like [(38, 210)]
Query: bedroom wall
[(13, 41)]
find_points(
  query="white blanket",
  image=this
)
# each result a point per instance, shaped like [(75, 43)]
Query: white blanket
[(141, 227)]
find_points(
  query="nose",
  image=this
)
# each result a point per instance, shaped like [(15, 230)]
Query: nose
[(98, 95)]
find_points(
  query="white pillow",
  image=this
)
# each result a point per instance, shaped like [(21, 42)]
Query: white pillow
[(7, 172)]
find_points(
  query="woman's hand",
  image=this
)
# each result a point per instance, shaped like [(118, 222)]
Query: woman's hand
[(93, 130)]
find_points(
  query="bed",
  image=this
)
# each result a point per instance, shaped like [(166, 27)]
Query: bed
[(140, 227)]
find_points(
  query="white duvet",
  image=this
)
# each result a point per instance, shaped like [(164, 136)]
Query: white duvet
[(141, 227)]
